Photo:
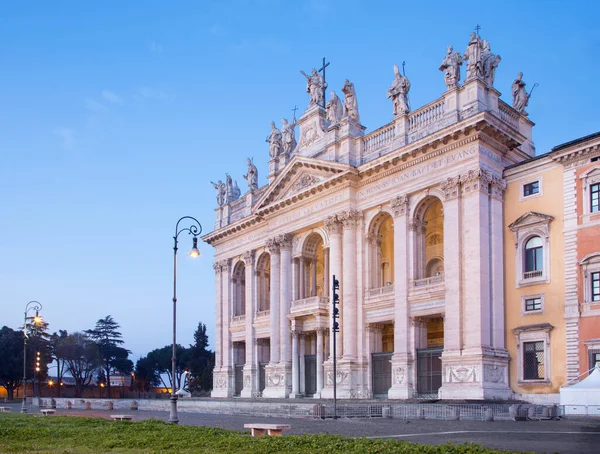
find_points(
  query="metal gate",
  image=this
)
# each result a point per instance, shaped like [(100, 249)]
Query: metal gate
[(261, 376), (310, 374), (429, 371), (239, 379), (382, 374)]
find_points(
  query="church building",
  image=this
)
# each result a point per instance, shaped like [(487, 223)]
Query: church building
[(411, 218)]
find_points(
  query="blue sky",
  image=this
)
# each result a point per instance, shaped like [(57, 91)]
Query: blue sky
[(115, 116)]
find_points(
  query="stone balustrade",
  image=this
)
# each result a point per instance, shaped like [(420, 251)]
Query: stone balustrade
[(426, 115), (310, 304), (428, 281), (508, 115), (261, 315), (379, 138), (238, 319), (385, 290), (238, 210)]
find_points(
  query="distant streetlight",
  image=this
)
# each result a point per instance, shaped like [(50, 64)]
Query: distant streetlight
[(37, 320), (194, 229)]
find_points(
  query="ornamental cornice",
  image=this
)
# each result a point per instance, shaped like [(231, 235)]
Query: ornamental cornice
[(577, 157), (242, 224)]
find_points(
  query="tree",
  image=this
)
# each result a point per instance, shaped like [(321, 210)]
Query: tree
[(82, 356), (57, 354), (146, 374), (201, 361), (38, 352), (11, 360), (160, 359), (109, 339)]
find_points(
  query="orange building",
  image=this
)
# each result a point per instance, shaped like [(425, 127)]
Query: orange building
[(552, 268)]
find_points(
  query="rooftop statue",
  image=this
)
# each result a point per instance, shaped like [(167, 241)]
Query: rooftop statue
[(490, 63), (251, 176), (520, 96), (221, 190), (315, 87), (350, 102), (451, 67), (289, 137), (232, 191), (399, 93), (274, 140), (473, 56), (235, 192), (334, 108)]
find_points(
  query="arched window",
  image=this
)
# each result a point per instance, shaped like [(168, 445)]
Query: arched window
[(381, 251), (263, 282), (239, 289), (534, 255)]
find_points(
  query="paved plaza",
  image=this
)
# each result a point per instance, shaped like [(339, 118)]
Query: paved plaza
[(572, 436)]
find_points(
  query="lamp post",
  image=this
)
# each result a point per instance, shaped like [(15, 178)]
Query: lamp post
[(37, 307), (194, 229)]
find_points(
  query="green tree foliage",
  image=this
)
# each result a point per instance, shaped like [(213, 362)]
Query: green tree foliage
[(201, 362), (57, 354), (11, 360), (146, 374), (83, 357), (39, 352), (109, 340), (160, 359)]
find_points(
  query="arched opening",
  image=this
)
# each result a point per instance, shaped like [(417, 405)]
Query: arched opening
[(263, 282), (381, 251), (533, 257), (311, 266), (238, 281), (428, 228)]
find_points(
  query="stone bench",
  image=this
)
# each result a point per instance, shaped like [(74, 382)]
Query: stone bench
[(47, 411), (5, 409), (121, 417), (273, 430)]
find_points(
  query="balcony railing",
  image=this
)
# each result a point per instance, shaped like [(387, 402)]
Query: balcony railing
[(261, 315), (532, 274), (310, 304), (433, 280), (385, 290), (238, 319)]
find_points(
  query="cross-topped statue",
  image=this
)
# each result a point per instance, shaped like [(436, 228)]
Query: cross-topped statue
[(322, 70), (316, 86), (294, 111), (477, 28)]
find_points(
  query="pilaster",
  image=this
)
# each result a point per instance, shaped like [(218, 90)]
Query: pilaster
[(223, 378), (402, 362), (250, 372)]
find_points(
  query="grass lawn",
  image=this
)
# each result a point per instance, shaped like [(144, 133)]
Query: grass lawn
[(68, 434)]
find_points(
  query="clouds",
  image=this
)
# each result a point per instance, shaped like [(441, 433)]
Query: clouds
[(112, 97), (155, 93), (66, 136), (107, 97)]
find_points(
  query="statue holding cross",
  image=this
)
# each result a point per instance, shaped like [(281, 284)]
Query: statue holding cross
[(316, 86)]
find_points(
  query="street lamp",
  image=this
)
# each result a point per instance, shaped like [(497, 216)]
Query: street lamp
[(194, 229), (37, 320)]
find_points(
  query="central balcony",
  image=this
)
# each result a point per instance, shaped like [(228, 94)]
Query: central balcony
[(310, 306)]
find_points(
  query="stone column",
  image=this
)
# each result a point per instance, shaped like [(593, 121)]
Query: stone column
[(497, 263), (302, 366), (402, 360), (302, 282), (327, 277), (250, 371), (334, 228), (218, 317), (295, 373), (227, 306), (295, 279), (313, 276), (350, 219), (452, 267), (285, 244), (274, 303), (319, 362)]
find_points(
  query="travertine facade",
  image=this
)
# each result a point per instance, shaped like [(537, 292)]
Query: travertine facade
[(408, 217)]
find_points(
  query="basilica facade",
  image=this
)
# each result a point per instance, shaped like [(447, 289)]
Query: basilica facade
[(409, 217)]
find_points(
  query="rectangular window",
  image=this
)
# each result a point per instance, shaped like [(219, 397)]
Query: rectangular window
[(533, 259), (595, 198), (531, 188), (595, 279), (594, 358), (533, 360), (533, 304)]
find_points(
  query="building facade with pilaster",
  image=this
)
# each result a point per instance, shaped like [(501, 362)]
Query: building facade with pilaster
[(409, 218)]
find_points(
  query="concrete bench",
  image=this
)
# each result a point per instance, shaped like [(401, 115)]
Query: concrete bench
[(121, 417), (5, 409), (274, 430), (47, 411)]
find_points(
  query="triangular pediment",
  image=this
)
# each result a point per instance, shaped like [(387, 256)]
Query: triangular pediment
[(529, 219), (299, 176)]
